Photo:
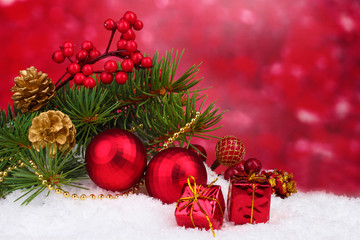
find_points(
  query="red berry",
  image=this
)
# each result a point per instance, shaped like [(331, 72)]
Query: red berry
[(58, 56), (131, 46), (240, 166), (127, 65), (138, 25), (106, 77), (94, 53), (121, 77), (109, 24), (252, 165), (130, 17), (199, 148), (146, 62), (121, 44), (79, 78), (129, 35), (110, 66), (123, 26), (82, 55), (68, 51), (136, 57), (87, 69), (73, 68), (89, 82), (87, 45), (229, 172), (68, 44)]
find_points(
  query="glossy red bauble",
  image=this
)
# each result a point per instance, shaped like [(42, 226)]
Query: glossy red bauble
[(131, 46), (115, 159), (199, 150), (121, 44), (252, 165), (94, 53), (168, 171), (68, 44)]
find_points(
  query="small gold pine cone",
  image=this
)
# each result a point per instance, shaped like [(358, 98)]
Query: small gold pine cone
[(32, 90), (55, 128)]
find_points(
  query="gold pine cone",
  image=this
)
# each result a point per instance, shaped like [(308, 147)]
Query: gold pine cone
[(32, 90), (55, 128)]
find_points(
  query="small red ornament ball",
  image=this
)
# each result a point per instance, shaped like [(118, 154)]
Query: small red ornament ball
[(58, 56), (229, 151), (138, 25), (168, 171), (121, 44), (146, 62), (68, 51), (252, 165), (68, 44), (94, 53), (82, 55), (129, 35), (131, 46), (115, 159), (130, 17), (123, 26), (136, 58), (87, 69), (201, 152), (127, 65), (87, 45)]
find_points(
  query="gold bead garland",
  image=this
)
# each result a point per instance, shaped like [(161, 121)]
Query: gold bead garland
[(66, 194), (181, 131)]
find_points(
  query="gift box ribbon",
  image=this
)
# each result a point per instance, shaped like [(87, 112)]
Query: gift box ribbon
[(195, 200)]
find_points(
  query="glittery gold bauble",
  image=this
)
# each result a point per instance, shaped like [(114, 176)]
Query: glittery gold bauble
[(32, 90), (229, 151), (55, 128)]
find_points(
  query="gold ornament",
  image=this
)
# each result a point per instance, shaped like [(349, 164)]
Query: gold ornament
[(32, 90), (55, 128)]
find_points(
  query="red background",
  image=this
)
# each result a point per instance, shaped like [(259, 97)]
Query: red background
[(287, 71)]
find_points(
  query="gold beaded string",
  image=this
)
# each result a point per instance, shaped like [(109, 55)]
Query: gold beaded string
[(66, 194), (181, 131)]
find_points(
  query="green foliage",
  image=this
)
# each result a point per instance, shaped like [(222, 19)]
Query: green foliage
[(156, 102)]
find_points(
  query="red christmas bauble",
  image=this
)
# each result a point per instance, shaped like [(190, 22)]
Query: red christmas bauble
[(229, 151), (115, 159), (168, 171)]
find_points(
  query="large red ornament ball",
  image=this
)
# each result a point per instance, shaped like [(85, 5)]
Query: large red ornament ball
[(229, 151), (168, 171), (115, 159)]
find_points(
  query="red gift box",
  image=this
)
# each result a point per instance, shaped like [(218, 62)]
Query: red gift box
[(200, 206), (249, 200)]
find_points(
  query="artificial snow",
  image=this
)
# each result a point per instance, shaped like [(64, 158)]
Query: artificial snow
[(316, 215)]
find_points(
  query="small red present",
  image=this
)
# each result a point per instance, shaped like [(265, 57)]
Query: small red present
[(200, 206), (249, 200)]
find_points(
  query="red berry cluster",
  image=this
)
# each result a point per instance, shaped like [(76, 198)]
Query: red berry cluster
[(81, 68)]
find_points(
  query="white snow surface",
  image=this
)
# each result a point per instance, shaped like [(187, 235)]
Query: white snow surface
[(315, 215)]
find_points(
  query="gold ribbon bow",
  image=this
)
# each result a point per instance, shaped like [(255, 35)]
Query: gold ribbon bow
[(195, 199)]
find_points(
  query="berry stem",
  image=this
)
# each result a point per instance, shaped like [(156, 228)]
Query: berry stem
[(58, 81), (61, 84), (110, 40), (70, 59), (107, 54)]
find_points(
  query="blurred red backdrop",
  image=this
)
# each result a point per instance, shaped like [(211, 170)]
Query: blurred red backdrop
[(287, 71)]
